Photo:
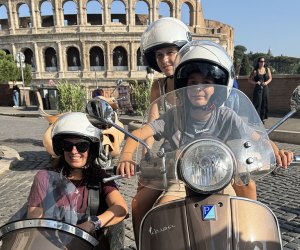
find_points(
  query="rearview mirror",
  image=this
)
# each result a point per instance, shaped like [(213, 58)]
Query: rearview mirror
[(100, 113)]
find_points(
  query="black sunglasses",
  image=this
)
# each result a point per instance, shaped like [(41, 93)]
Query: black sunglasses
[(261, 61), (81, 147)]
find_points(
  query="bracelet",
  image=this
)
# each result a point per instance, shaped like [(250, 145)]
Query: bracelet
[(96, 221)]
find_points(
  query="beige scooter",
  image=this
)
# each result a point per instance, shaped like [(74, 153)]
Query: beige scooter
[(198, 171)]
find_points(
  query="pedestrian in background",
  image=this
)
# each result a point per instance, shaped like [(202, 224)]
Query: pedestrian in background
[(261, 77), (15, 94)]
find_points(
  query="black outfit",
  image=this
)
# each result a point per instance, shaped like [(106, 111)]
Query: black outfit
[(261, 95)]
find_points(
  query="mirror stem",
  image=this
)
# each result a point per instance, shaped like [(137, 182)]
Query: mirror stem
[(132, 137)]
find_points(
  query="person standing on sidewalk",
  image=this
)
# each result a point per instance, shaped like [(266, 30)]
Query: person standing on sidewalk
[(15, 94), (261, 77)]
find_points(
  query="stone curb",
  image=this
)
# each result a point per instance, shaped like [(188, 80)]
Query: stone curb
[(8, 158), (285, 136)]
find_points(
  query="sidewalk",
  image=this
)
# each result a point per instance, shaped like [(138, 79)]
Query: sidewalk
[(288, 132)]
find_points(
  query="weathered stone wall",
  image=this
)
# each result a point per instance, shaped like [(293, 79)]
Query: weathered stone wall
[(281, 89), (36, 34)]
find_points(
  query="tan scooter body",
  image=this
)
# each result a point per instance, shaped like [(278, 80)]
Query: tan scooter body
[(237, 223)]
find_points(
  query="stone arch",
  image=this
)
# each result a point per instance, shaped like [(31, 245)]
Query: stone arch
[(94, 12), (6, 51), (120, 59), (187, 10), (118, 12), (3, 17), (24, 15), (165, 9), (29, 57), (70, 10), (96, 59), (50, 59), (142, 15), (46, 13), (73, 58)]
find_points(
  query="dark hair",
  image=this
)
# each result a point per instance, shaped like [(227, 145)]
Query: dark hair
[(257, 62), (90, 173)]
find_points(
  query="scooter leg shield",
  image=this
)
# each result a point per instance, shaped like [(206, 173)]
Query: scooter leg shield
[(210, 222)]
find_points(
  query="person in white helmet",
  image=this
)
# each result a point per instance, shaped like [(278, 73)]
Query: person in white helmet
[(203, 65), (159, 47), (76, 142)]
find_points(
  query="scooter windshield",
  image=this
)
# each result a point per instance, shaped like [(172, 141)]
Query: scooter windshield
[(197, 112)]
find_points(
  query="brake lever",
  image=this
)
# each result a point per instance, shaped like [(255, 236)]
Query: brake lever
[(117, 177)]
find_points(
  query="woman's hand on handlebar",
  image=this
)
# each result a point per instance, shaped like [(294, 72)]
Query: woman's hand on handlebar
[(284, 158), (126, 165)]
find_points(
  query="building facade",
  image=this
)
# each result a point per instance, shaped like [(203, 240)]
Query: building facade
[(96, 41)]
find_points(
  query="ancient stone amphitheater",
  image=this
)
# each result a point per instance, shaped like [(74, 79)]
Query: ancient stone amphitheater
[(96, 41)]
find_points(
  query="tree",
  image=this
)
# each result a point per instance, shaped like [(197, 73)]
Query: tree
[(9, 70), (238, 54), (245, 66)]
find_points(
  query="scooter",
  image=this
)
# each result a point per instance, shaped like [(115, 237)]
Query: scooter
[(205, 164)]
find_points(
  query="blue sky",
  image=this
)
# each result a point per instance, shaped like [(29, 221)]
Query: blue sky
[(260, 24)]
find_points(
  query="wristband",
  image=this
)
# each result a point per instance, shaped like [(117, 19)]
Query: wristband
[(96, 221)]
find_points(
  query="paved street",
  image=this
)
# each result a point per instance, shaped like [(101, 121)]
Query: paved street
[(280, 192)]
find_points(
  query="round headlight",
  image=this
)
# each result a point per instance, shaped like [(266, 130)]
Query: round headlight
[(207, 165)]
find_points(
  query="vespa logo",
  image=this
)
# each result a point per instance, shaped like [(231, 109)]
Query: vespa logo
[(209, 212), (154, 231)]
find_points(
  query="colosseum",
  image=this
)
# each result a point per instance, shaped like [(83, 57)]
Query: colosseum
[(94, 41)]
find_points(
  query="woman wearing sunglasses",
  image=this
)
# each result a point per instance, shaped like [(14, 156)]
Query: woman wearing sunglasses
[(261, 77), (76, 142)]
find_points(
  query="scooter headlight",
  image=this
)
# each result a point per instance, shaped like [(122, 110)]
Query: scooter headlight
[(207, 165)]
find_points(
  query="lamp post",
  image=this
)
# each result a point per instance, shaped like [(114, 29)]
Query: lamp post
[(20, 57)]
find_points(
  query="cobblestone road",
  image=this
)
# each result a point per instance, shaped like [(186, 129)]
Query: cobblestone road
[(281, 193)]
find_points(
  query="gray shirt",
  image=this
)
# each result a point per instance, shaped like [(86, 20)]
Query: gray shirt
[(223, 124)]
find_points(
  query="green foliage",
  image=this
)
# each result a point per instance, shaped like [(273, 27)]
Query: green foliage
[(141, 94), (71, 97), (238, 55), (27, 74), (245, 66), (10, 72), (277, 64)]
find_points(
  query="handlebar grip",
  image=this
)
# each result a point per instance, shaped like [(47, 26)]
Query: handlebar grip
[(116, 177), (297, 158)]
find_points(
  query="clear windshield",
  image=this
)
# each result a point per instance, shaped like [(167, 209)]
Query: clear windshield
[(198, 112), (53, 196)]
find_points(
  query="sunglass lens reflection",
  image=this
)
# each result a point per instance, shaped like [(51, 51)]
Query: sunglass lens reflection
[(80, 146)]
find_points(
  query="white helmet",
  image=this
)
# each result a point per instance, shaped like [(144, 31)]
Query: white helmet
[(162, 33), (75, 124), (206, 57)]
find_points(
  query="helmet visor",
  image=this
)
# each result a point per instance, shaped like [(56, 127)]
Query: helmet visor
[(203, 72)]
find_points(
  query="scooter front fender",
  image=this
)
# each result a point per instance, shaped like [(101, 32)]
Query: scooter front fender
[(210, 222), (36, 234)]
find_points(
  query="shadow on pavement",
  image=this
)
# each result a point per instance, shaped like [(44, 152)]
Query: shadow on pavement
[(34, 142), (32, 160)]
